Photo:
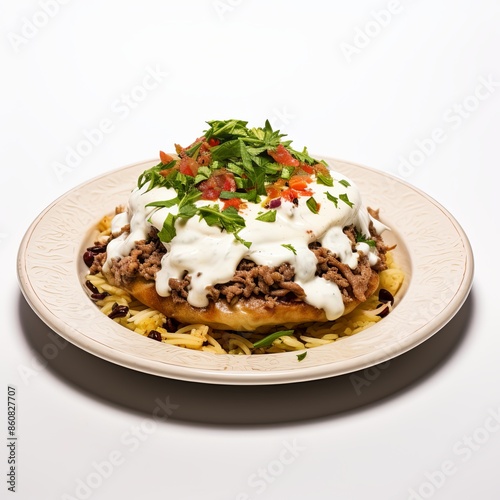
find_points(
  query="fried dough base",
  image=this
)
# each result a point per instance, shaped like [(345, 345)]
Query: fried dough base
[(247, 314)]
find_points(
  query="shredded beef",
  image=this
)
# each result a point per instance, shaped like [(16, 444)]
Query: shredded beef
[(352, 283), (98, 262), (264, 281), (144, 261), (179, 288), (270, 283)]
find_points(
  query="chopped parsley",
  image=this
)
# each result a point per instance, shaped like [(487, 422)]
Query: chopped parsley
[(289, 247), (312, 205), (301, 356), (230, 162), (325, 179), (267, 341), (227, 219), (361, 238), (346, 200), (333, 199), (269, 216), (168, 232)]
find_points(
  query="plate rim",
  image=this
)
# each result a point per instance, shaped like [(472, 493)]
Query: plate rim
[(233, 376)]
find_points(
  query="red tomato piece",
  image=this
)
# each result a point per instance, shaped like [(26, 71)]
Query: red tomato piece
[(229, 183), (232, 202), (289, 194), (219, 181), (165, 158), (308, 169), (188, 166), (299, 182), (210, 193), (282, 156)]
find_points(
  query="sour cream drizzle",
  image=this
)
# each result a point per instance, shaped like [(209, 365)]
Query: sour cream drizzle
[(210, 255)]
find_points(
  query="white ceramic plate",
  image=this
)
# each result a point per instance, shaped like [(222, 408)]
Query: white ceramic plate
[(432, 249)]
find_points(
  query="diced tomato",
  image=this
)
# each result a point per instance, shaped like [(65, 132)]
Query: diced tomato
[(299, 182), (308, 169), (223, 180), (322, 169), (213, 142), (274, 190), (188, 166), (283, 156), (232, 202), (209, 189), (210, 194), (229, 184), (305, 192), (220, 180), (165, 158), (290, 194)]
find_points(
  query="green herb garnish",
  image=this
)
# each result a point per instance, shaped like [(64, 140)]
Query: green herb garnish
[(333, 199), (228, 147), (300, 357), (237, 237), (346, 200), (269, 216), (289, 247), (327, 180), (164, 203), (267, 341), (168, 232), (312, 205), (227, 219), (361, 238)]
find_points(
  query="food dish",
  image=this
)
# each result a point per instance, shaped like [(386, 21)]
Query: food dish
[(239, 236), (433, 250)]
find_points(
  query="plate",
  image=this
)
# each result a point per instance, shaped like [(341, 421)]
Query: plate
[(432, 249)]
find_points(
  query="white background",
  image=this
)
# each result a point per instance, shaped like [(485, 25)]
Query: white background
[(373, 83)]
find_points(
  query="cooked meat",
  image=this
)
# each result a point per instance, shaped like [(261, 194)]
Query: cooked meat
[(97, 263), (250, 279), (352, 283), (264, 281), (144, 261)]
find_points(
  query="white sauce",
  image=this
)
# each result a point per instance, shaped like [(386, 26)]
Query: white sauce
[(210, 256)]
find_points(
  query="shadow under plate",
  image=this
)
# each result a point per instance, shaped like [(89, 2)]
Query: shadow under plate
[(244, 405)]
